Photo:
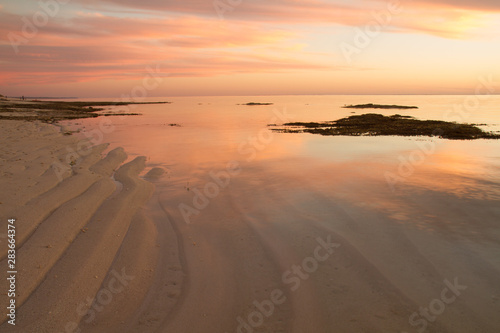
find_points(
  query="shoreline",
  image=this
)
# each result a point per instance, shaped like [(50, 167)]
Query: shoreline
[(54, 111)]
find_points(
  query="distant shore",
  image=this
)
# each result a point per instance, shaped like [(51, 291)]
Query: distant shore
[(379, 106), (53, 111)]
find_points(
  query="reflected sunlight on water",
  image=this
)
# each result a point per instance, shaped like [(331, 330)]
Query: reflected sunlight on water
[(215, 130)]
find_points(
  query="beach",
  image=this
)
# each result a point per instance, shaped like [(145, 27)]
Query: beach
[(216, 225), (71, 221), (230, 166)]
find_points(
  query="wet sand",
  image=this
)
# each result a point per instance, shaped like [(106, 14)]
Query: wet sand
[(386, 266), (276, 250), (72, 224)]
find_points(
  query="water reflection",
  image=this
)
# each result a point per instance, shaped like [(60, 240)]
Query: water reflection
[(348, 169)]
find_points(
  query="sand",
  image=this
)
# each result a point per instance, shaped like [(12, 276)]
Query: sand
[(72, 225), (100, 249)]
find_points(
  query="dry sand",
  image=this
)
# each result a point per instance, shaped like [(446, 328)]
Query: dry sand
[(94, 253)]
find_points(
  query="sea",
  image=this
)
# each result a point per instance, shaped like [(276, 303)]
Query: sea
[(202, 141), (410, 211)]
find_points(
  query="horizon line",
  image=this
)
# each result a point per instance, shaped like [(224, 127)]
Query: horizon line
[(250, 95)]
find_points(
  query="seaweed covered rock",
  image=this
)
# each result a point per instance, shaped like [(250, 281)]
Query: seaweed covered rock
[(398, 125)]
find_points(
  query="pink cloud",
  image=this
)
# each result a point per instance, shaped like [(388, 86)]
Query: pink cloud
[(117, 39), (99, 47), (483, 5), (297, 11)]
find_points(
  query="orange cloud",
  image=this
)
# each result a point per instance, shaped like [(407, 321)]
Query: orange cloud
[(484, 5), (443, 21), (118, 39), (97, 46)]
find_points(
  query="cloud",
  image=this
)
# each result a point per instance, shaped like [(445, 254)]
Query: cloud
[(278, 11), (117, 39), (443, 22), (297, 11), (91, 47), (444, 18), (482, 5)]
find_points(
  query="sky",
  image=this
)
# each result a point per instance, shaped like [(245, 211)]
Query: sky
[(152, 48)]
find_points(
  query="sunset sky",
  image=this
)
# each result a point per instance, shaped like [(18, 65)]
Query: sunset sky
[(103, 48)]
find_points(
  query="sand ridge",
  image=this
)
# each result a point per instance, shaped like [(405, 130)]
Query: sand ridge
[(80, 238)]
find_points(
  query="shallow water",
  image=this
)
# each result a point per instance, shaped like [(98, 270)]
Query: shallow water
[(215, 130), (411, 211)]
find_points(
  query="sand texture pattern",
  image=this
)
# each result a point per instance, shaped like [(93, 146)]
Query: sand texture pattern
[(81, 236)]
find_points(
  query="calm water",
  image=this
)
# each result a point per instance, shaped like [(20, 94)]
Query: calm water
[(407, 211), (366, 171)]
